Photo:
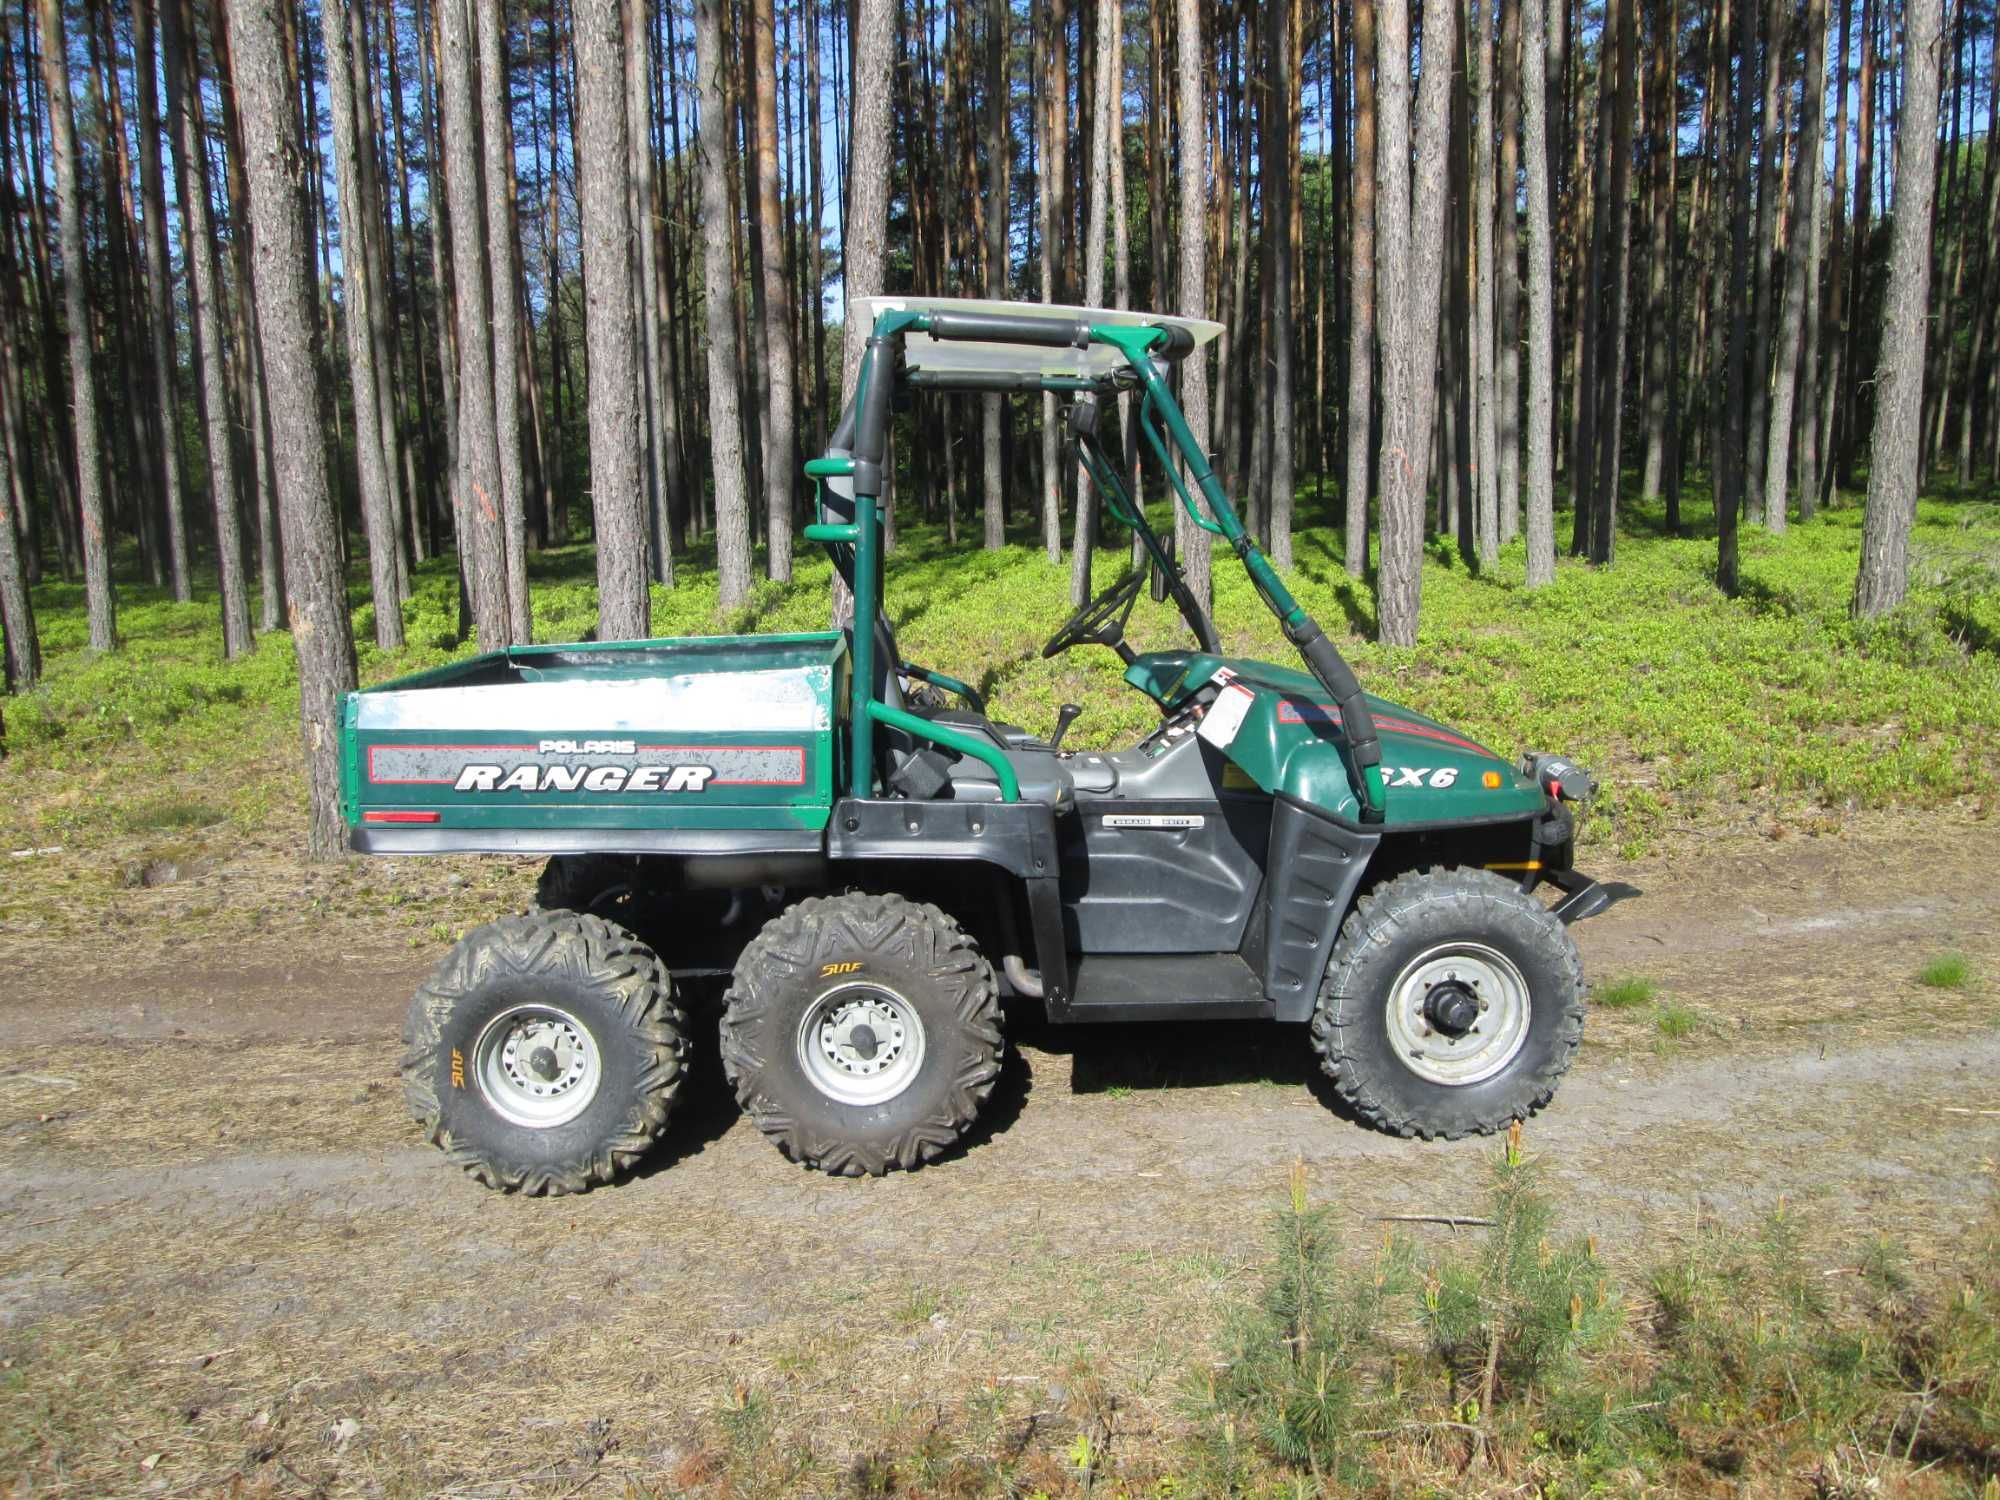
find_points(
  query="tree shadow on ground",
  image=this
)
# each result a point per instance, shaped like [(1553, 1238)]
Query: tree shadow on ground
[(1314, 559)]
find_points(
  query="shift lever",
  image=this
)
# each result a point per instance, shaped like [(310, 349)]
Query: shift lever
[(1065, 716)]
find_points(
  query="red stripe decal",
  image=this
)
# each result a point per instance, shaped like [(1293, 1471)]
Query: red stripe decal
[(1297, 711)]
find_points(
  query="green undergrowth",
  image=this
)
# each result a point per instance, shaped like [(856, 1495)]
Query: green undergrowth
[(1511, 1358), (1697, 711)]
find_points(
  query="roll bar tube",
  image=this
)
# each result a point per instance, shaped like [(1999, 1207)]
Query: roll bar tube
[(869, 436), (1137, 343), (1319, 653)]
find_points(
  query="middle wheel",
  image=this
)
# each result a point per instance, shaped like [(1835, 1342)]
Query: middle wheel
[(862, 1032)]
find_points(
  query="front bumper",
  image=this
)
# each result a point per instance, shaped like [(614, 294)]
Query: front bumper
[(1555, 845)]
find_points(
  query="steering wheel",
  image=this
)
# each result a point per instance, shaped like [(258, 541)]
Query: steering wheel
[(1101, 622)]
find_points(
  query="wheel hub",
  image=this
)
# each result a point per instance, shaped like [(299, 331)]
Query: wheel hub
[(536, 1066), (1458, 1013), (861, 1044), (1451, 1008)]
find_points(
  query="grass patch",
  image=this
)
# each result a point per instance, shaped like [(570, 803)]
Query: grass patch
[(1947, 971), (1624, 994), (1675, 1021), (159, 817), (918, 1307)]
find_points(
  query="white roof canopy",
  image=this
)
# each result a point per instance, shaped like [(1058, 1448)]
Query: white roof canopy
[(954, 356)]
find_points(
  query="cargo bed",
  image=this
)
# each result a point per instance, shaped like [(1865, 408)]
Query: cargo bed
[(636, 746)]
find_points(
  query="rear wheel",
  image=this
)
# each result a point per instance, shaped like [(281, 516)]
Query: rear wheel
[(862, 1033), (545, 1052), (1452, 1005)]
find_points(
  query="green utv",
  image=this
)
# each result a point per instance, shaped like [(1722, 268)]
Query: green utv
[(873, 869)]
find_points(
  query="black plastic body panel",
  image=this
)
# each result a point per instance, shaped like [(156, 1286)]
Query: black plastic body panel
[(1317, 863), (1132, 882), (1154, 987), (1019, 837)]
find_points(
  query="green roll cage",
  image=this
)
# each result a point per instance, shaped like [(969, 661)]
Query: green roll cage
[(855, 456)]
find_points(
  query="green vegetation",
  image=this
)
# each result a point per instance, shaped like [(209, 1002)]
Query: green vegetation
[(1695, 709), (1947, 971), (1745, 1356), (1624, 994), (1674, 1020)]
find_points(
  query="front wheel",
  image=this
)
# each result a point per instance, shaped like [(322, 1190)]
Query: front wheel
[(1452, 1005), (862, 1033)]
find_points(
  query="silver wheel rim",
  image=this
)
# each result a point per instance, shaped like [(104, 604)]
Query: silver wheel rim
[(861, 1044), (1497, 1033), (537, 1066)]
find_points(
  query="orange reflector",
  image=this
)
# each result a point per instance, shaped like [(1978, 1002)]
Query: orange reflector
[(1490, 780), (399, 816)]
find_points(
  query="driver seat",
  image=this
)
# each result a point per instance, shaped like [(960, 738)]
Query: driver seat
[(1042, 775), (1041, 772), (1013, 736)]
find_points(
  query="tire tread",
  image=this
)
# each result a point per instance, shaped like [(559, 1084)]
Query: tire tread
[(791, 946), (1374, 923), (611, 959)]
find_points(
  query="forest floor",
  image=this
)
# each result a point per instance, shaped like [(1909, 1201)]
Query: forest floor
[(224, 1254), (227, 1261)]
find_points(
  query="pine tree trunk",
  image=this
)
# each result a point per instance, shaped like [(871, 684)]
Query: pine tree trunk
[(504, 338), (1769, 189), (1846, 444), (1734, 454), (726, 462), (611, 331), (1485, 356), (1806, 404), (1280, 190), (1833, 317), (252, 391), (371, 464), (1801, 267), (1983, 365), (644, 272), (1409, 247), (192, 193), (1192, 296), (1661, 146), (1536, 47), (1508, 284), (1361, 297), (314, 586), (160, 295), (1054, 206), (1611, 364), (429, 98), (23, 649), (1097, 239), (90, 473), (479, 497), (374, 245), (999, 154), (1884, 575), (780, 436)]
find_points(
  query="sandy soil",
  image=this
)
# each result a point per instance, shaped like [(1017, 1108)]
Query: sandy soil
[(224, 1257)]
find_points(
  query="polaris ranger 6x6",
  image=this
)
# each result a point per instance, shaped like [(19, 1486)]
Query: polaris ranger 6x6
[(873, 862)]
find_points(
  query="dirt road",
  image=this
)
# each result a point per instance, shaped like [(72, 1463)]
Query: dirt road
[(223, 1254)]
